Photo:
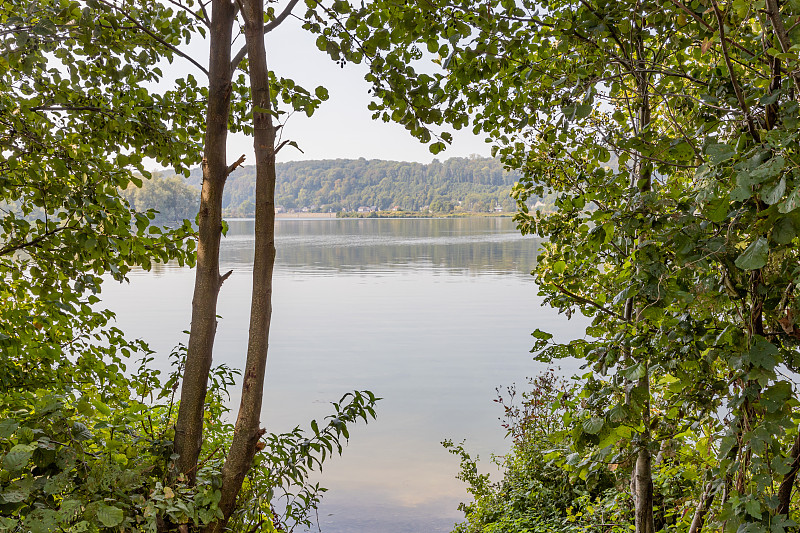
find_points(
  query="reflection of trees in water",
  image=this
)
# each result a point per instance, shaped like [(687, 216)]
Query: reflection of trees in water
[(473, 245)]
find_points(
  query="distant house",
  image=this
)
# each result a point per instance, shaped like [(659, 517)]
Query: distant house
[(367, 208), (498, 209), (396, 208), (279, 209)]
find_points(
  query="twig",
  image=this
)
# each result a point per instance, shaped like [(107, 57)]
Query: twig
[(586, 301), (736, 88), (235, 165), (141, 27)]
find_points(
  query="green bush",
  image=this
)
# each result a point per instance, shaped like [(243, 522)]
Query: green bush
[(537, 493)]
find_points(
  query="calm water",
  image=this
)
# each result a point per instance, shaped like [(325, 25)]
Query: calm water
[(431, 315)]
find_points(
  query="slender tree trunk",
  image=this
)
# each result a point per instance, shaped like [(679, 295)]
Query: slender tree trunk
[(189, 427), (787, 485), (247, 431), (773, 11), (702, 508), (644, 519)]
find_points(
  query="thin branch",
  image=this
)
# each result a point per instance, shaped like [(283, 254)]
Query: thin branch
[(225, 276), (271, 25), (586, 301), (204, 18), (773, 12), (73, 108), (235, 165), (153, 35), (732, 73), (33, 242)]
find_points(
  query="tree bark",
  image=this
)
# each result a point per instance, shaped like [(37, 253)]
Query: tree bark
[(702, 508), (189, 426), (785, 490), (644, 519), (774, 13), (247, 431)]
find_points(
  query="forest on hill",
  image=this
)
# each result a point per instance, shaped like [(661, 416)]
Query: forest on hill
[(473, 184)]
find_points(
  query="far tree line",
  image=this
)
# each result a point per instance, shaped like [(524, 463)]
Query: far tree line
[(474, 184)]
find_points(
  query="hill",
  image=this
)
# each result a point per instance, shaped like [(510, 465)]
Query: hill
[(457, 184)]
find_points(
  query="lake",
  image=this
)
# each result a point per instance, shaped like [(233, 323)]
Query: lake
[(432, 315)]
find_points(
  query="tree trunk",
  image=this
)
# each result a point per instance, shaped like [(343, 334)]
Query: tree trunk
[(785, 490), (645, 522), (702, 508), (189, 426), (247, 431), (773, 11)]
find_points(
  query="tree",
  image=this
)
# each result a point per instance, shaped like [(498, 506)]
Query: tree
[(77, 124), (674, 249), (262, 108), (76, 127)]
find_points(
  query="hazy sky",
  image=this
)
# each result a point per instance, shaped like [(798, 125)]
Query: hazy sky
[(342, 127)]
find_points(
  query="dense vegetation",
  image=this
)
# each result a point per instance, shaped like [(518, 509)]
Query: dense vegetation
[(687, 261), (87, 430), (170, 196), (466, 184), (683, 254)]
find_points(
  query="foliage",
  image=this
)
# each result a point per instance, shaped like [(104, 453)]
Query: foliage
[(473, 184), (100, 459), (536, 495), (278, 488), (86, 444), (68, 144), (173, 200), (684, 254)]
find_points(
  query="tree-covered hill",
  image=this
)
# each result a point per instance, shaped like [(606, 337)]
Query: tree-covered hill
[(457, 184)]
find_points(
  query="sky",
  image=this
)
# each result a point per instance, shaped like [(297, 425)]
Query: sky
[(343, 126)]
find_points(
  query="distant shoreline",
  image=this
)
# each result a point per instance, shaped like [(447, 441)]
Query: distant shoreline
[(377, 214), (305, 215)]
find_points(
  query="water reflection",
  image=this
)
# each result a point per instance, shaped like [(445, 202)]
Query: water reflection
[(476, 246)]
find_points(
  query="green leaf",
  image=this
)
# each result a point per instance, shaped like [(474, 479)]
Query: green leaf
[(753, 508), (755, 256), (8, 524), (7, 428), (784, 231), (109, 515), (593, 425), (100, 406), (772, 194), (80, 432), (542, 335), (720, 152), (792, 202), (767, 170), (763, 354), (583, 111), (619, 413), (17, 457), (718, 209)]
